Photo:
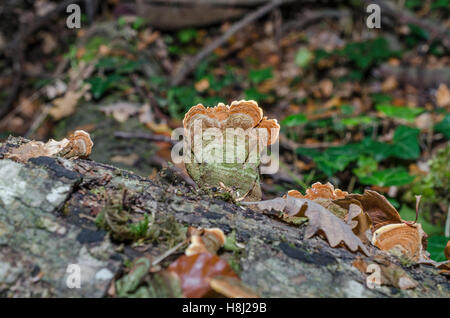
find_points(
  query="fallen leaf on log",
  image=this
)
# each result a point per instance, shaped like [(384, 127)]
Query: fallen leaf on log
[(196, 271), (379, 209), (320, 220)]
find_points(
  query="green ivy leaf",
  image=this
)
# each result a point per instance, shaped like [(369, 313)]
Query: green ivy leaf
[(355, 121), (406, 113), (303, 57), (436, 246), (294, 120), (406, 145), (444, 126), (259, 76), (187, 35), (388, 177), (100, 85)]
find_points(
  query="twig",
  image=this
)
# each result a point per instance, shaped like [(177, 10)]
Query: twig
[(146, 95), (190, 64), (17, 47), (142, 135), (169, 252), (405, 17), (310, 17)]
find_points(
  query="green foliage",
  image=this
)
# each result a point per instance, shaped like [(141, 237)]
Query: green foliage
[(365, 54), (436, 246), (406, 144), (180, 99), (367, 154), (140, 229), (259, 76), (434, 186), (303, 57), (444, 126), (186, 35), (355, 121), (294, 120), (409, 214), (99, 85), (387, 177), (400, 112)]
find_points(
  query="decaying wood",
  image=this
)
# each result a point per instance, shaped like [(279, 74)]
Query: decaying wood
[(43, 230)]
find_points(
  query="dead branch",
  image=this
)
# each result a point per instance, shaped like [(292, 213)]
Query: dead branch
[(190, 64)]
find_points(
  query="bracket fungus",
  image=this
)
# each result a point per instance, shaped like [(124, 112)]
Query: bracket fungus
[(223, 145), (77, 145), (408, 239)]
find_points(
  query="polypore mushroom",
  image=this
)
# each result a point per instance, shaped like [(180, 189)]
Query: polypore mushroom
[(78, 145), (224, 144), (407, 239), (205, 241)]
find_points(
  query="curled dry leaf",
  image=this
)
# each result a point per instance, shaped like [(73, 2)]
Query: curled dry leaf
[(204, 240), (390, 274), (320, 220), (379, 209), (78, 145), (65, 105), (121, 111), (359, 222), (196, 271)]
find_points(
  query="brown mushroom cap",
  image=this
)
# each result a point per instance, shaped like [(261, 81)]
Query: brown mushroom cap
[(408, 238), (273, 129), (249, 108), (81, 142), (319, 190)]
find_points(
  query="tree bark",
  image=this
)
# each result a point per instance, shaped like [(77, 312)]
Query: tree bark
[(46, 224)]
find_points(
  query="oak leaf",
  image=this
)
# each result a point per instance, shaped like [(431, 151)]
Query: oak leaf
[(320, 220), (380, 211)]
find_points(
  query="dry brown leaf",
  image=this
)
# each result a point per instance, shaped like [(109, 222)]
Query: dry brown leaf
[(128, 160), (196, 271), (360, 222), (65, 106), (202, 85), (231, 287), (379, 209), (320, 220), (443, 96), (121, 111)]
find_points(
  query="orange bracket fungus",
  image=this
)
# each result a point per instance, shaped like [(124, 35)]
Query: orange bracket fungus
[(223, 146), (78, 145)]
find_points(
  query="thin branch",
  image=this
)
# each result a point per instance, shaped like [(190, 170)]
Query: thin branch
[(190, 64)]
